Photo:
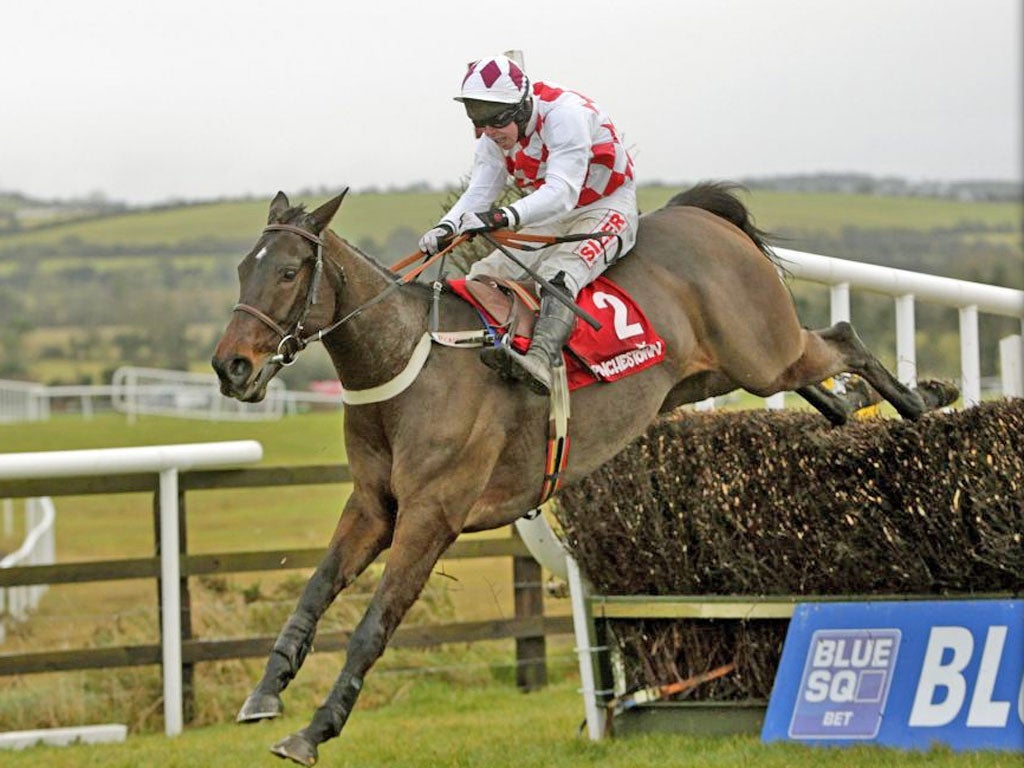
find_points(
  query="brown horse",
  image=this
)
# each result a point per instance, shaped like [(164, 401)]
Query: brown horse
[(459, 449)]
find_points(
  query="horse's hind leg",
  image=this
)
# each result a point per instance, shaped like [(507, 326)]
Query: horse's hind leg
[(414, 552), (829, 404), (362, 533), (839, 349), (838, 408)]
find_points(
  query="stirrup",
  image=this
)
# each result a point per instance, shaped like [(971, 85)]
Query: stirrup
[(498, 357), (525, 375)]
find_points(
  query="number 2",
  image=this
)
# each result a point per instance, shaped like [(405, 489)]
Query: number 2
[(623, 329)]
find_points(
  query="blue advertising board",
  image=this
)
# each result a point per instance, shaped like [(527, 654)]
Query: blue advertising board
[(902, 674)]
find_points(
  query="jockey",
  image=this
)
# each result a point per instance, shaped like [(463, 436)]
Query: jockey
[(562, 150)]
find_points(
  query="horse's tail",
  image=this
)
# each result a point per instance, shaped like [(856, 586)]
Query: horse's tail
[(719, 198)]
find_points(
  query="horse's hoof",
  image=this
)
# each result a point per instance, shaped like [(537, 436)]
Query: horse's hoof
[(937, 394), (260, 706), (296, 748), (860, 395)]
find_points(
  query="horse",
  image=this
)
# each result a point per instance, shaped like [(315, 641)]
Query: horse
[(453, 447)]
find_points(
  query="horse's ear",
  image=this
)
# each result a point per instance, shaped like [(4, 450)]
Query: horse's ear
[(278, 206), (322, 216)]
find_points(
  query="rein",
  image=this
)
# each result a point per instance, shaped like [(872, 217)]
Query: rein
[(292, 342)]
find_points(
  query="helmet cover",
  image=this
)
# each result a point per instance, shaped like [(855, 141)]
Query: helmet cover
[(497, 79)]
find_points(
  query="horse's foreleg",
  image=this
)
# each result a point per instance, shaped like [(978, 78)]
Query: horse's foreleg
[(360, 536), (410, 562)]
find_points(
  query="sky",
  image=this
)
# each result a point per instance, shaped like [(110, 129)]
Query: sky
[(145, 102)]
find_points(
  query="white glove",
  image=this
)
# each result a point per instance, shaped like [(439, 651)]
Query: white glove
[(434, 240)]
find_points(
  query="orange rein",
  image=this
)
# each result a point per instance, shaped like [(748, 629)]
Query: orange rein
[(503, 236)]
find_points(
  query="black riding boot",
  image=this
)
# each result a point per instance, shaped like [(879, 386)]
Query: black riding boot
[(549, 336)]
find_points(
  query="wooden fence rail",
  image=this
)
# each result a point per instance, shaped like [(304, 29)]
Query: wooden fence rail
[(528, 628)]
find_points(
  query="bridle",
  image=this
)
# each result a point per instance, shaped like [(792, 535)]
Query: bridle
[(292, 342)]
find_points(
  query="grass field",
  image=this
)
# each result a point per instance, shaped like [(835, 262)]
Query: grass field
[(451, 706), (432, 725)]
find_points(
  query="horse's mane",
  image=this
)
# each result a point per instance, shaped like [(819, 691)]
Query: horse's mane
[(299, 216), (719, 198), (415, 287)]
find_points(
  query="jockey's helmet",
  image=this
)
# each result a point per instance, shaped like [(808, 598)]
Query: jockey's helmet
[(493, 89)]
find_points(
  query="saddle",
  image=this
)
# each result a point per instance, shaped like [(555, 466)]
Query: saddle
[(511, 303), (625, 344)]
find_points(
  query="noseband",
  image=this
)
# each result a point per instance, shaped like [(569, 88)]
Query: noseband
[(292, 341)]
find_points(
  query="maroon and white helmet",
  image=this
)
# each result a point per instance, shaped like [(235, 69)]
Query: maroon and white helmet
[(496, 79)]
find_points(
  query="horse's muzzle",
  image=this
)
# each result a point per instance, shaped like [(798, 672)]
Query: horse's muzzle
[(237, 378), (234, 373)]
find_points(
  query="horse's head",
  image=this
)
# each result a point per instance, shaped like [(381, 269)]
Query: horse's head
[(286, 293)]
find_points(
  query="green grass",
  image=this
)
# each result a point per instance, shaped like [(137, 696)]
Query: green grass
[(431, 725)]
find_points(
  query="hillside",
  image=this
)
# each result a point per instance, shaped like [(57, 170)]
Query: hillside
[(80, 295)]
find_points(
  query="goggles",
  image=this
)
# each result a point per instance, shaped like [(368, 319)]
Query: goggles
[(499, 120)]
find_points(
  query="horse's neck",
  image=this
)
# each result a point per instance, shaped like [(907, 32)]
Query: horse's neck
[(375, 345)]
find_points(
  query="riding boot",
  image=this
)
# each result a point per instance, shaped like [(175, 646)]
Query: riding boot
[(550, 333)]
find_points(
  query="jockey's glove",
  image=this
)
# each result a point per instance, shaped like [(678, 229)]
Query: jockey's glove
[(486, 221), (437, 238)]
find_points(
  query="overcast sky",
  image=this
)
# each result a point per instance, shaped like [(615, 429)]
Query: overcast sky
[(147, 101)]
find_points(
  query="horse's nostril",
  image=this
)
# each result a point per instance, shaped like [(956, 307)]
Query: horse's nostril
[(239, 369)]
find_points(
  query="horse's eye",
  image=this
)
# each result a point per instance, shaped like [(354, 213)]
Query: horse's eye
[(289, 273)]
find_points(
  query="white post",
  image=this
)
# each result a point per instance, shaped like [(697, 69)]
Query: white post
[(1011, 365), (775, 402), (170, 598), (131, 396), (585, 650), (839, 300), (8, 518), (970, 356), (906, 349)]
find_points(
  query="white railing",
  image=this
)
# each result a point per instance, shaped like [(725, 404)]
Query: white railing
[(166, 461), (906, 288), (22, 401), (154, 391), (38, 548)]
